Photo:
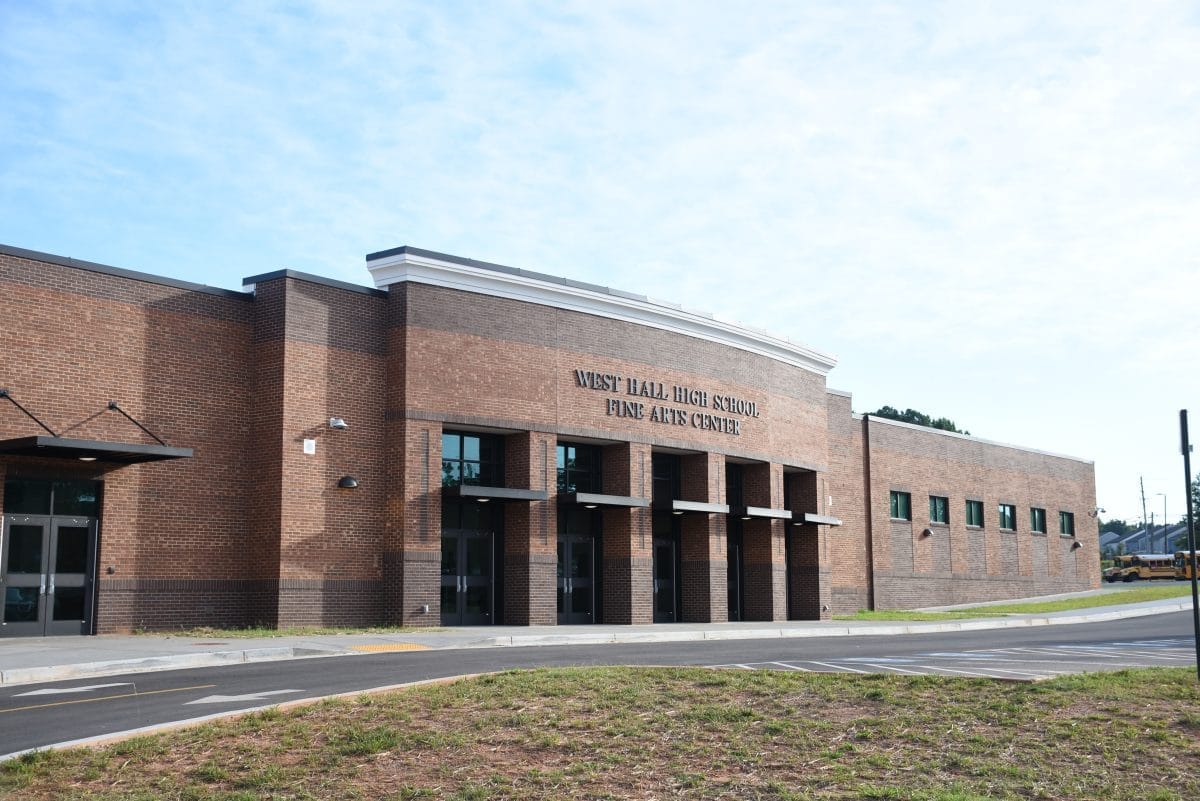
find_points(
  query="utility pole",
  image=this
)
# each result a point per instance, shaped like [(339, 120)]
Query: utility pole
[(1145, 519), (1186, 446)]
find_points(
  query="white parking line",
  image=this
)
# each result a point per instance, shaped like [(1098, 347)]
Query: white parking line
[(839, 668), (790, 666), (905, 671)]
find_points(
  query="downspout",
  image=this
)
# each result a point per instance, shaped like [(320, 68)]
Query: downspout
[(870, 517)]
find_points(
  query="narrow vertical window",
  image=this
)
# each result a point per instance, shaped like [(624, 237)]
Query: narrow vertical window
[(901, 505), (1008, 517), (975, 514), (1037, 520), (1066, 523), (939, 509)]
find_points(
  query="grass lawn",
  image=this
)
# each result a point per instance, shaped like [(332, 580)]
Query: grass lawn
[(1148, 592), (643, 733)]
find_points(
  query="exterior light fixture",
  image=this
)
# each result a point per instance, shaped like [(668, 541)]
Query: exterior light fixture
[(589, 506), (745, 517), (338, 423), (677, 512), (347, 482), (1075, 546), (483, 500), (87, 458), (927, 532)]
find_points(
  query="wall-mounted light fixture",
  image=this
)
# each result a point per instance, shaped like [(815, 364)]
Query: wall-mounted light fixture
[(589, 506), (927, 532), (347, 482), (1075, 546), (338, 423)]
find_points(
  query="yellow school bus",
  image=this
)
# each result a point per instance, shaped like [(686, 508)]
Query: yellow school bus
[(1136, 566), (1185, 568)]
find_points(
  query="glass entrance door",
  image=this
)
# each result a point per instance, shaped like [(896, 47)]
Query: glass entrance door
[(45, 570), (664, 580), (734, 573), (576, 579), (467, 571)]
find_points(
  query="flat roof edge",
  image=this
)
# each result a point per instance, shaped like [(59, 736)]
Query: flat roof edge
[(119, 272), (295, 275), (969, 438)]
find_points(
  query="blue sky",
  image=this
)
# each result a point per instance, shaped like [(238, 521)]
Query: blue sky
[(985, 210)]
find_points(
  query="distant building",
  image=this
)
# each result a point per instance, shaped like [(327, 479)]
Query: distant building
[(467, 443)]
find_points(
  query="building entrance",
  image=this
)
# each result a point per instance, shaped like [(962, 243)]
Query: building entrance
[(576, 579), (48, 557), (47, 575), (468, 559), (734, 571)]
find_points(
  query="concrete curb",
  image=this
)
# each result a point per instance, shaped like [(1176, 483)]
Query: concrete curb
[(148, 664)]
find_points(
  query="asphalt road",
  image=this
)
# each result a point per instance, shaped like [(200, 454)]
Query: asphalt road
[(43, 715)]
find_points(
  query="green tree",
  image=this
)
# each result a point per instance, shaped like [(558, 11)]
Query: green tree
[(919, 419), (1118, 526)]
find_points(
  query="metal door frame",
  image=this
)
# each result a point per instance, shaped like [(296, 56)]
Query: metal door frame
[(49, 579), (567, 542), (463, 582)]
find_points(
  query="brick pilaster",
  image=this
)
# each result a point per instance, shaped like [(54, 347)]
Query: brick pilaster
[(810, 593), (530, 532), (627, 542), (705, 556)]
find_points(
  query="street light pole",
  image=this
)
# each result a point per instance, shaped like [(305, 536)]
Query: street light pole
[(1166, 545)]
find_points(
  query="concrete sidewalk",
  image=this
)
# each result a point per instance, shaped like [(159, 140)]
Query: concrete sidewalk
[(35, 659)]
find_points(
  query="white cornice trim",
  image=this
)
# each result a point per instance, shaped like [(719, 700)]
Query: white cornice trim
[(421, 269)]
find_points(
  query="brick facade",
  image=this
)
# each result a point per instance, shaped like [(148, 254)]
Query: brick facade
[(254, 529)]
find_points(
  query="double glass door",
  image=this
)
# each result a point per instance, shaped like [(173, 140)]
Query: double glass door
[(46, 565), (576, 579), (467, 570)]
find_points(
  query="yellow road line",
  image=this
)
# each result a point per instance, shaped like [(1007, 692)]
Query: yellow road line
[(106, 698)]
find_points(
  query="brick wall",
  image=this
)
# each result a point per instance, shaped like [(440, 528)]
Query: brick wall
[(956, 563)]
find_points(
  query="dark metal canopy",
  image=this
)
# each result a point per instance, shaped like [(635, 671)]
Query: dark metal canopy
[(91, 450), (502, 494), (591, 499)]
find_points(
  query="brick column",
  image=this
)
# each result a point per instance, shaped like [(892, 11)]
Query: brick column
[(412, 542), (808, 571), (626, 538), (530, 532), (705, 548), (763, 552)]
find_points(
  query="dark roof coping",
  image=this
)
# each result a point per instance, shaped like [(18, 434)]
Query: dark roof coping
[(120, 272), (314, 279)]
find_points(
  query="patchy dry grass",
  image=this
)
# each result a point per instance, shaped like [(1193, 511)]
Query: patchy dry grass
[(629, 733)]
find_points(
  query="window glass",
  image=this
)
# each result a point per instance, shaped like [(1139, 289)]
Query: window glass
[(76, 498), (1008, 516), (901, 505), (472, 459), (1066, 523), (26, 497), (1037, 520), (975, 513), (450, 446), (939, 509)]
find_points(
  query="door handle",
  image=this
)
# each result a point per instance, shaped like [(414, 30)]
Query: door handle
[(656, 585), (570, 586), (42, 586), (52, 585)]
